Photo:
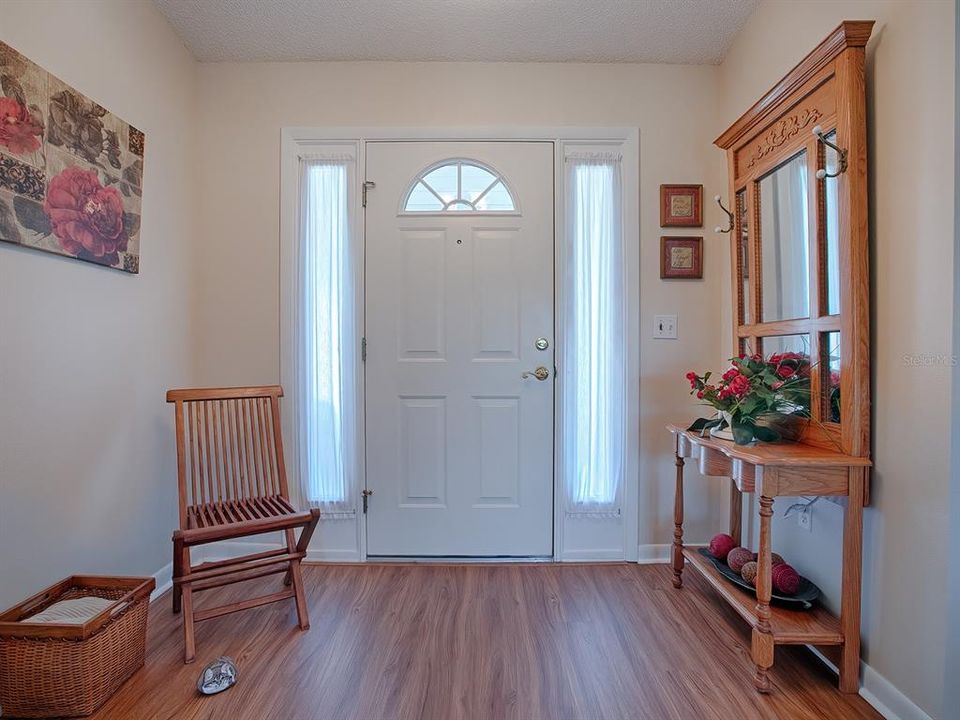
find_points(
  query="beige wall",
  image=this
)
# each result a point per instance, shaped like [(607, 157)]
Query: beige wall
[(87, 466), (244, 106), (911, 121)]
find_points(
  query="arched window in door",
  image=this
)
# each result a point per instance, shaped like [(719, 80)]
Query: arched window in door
[(459, 186)]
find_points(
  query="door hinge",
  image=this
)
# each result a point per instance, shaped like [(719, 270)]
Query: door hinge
[(366, 499), (363, 350), (367, 185)]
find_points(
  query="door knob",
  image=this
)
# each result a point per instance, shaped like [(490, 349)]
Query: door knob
[(541, 373)]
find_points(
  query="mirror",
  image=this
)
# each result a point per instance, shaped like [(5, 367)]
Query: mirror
[(784, 241), (830, 375), (743, 255), (791, 354), (831, 225)]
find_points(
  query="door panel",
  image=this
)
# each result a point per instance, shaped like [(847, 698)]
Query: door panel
[(459, 445)]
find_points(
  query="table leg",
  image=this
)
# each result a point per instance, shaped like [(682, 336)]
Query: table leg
[(736, 512), (762, 645), (851, 580), (678, 526)]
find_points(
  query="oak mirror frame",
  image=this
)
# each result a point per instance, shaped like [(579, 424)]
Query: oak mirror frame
[(817, 285)]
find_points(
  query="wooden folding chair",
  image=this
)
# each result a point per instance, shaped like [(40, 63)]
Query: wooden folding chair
[(233, 484)]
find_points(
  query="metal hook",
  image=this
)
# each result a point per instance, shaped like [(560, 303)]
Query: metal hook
[(822, 173), (719, 229)]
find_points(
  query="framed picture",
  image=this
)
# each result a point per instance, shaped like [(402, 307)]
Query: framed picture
[(681, 205), (70, 170), (681, 257)]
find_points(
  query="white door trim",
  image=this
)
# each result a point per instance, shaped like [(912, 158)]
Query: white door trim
[(584, 539)]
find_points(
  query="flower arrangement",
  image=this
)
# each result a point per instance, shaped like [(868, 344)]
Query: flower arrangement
[(750, 390)]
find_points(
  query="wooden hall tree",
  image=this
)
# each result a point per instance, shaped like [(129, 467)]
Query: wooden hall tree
[(797, 166)]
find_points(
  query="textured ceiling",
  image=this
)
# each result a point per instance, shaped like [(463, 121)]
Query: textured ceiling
[(658, 31)]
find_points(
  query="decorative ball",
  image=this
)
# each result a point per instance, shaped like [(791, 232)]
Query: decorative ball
[(776, 560), (721, 545), (749, 572), (785, 579), (738, 557)]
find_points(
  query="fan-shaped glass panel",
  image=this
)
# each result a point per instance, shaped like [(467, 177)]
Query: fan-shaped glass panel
[(497, 199), (422, 200), (459, 186)]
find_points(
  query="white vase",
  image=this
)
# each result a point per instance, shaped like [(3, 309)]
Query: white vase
[(726, 434)]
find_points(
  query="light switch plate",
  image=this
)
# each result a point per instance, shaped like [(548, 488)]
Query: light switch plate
[(665, 327)]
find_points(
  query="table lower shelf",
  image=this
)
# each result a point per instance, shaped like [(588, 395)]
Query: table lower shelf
[(816, 626)]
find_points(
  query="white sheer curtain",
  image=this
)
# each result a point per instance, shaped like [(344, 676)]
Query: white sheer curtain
[(326, 335), (593, 357)]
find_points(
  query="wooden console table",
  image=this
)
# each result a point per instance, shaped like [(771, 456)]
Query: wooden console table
[(771, 470)]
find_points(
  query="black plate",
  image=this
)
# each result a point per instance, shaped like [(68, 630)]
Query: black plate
[(803, 599)]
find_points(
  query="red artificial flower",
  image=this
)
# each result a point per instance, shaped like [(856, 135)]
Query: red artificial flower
[(730, 374), (777, 385), (87, 218), (20, 130), (785, 371), (699, 394), (740, 385)]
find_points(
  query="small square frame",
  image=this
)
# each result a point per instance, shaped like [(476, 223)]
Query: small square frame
[(687, 196), (670, 271)]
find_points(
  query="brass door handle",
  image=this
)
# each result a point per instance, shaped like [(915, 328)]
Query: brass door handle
[(541, 373)]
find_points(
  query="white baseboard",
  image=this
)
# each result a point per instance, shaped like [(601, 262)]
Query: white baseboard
[(883, 695), (653, 554), (164, 580), (600, 555), (332, 556), (887, 699)]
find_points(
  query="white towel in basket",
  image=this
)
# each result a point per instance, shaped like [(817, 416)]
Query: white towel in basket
[(74, 611)]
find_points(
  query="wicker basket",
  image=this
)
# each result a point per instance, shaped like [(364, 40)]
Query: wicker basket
[(54, 670)]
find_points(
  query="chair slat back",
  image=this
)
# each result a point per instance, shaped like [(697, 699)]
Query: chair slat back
[(229, 445)]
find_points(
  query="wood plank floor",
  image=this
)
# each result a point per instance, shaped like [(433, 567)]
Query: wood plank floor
[(478, 642)]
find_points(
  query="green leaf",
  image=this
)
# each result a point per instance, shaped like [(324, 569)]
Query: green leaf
[(701, 424), (765, 434), (743, 433)]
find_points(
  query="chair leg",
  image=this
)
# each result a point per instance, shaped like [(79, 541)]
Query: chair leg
[(305, 535), (189, 643), (297, 579), (177, 572)]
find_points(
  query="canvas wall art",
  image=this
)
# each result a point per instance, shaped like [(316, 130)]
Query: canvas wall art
[(70, 171)]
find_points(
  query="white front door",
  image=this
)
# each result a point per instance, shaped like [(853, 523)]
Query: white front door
[(459, 316)]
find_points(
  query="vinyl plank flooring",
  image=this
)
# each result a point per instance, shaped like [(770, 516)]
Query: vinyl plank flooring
[(479, 642)]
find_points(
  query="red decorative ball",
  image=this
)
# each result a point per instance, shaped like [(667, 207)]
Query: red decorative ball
[(738, 557), (721, 545), (749, 572), (785, 579)]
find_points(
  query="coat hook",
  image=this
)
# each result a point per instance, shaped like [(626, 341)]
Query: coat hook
[(822, 173), (719, 229)]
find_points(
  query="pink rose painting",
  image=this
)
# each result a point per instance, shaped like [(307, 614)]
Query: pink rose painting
[(20, 131), (70, 170), (86, 217)]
